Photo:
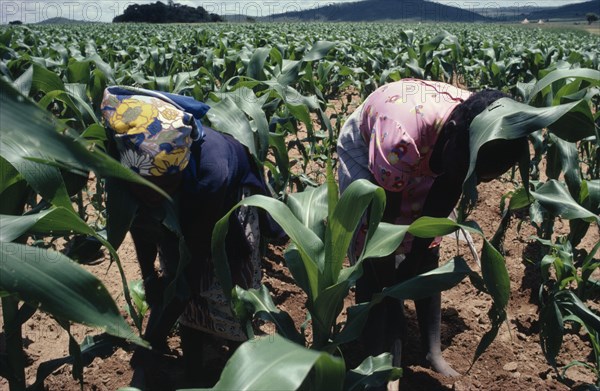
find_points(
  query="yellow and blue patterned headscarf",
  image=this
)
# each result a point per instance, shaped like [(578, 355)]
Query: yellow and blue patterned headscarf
[(153, 130)]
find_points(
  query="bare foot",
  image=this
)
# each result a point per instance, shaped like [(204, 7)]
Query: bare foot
[(440, 365)]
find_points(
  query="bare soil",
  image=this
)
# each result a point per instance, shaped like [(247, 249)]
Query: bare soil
[(513, 361)]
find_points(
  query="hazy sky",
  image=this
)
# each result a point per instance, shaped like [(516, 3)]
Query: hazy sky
[(30, 11)]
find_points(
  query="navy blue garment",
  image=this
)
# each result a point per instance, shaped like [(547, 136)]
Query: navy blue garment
[(220, 164), (219, 168)]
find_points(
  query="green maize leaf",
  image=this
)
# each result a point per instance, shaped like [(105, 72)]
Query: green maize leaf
[(590, 195), (346, 217), (46, 63), (78, 93), (37, 139), (572, 92), (61, 96), (6, 36), (519, 199), (95, 132), (508, 119), (276, 57), (259, 303), (562, 156), (387, 237), (44, 179), (304, 273), (407, 36), (290, 69), (225, 116), (524, 90), (377, 206), (59, 221), (427, 50), (591, 75), (554, 197), (78, 72), (161, 83), (289, 72), (310, 207), (257, 63), (570, 303), (495, 275), (103, 67), (589, 198), (8, 175), (430, 227), (277, 143), (497, 284), (308, 244), (325, 311), (97, 85), (319, 50), (372, 372), (61, 288), (327, 374), (575, 125), (252, 105), (56, 221), (138, 296), (385, 240), (291, 97), (552, 330), (546, 263), (23, 83), (333, 190), (301, 113), (14, 189), (590, 264), (45, 80), (418, 287), (181, 81), (417, 71), (274, 363)]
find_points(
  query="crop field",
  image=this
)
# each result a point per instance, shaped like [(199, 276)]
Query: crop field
[(520, 306)]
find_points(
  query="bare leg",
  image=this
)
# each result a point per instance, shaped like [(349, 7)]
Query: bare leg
[(429, 316)]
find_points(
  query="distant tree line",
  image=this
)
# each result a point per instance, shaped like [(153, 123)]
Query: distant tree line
[(162, 13)]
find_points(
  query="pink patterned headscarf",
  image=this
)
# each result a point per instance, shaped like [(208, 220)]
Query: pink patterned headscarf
[(401, 122)]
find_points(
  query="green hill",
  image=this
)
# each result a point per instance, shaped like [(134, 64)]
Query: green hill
[(373, 10), (61, 21), (571, 11)]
